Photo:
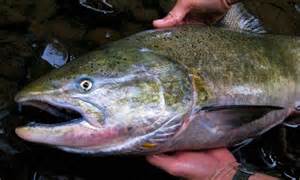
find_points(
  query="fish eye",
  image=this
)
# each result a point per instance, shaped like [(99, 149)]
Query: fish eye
[(86, 85)]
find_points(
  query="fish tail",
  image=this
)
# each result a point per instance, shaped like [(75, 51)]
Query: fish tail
[(238, 18)]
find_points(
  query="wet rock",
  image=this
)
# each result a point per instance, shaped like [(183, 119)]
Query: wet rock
[(15, 41), (60, 28), (55, 54), (140, 12), (144, 11), (102, 6), (291, 173), (8, 89), (39, 30), (146, 15), (166, 5), (7, 92), (292, 145), (43, 10), (14, 70), (277, 16), (13, 12), (65, 29), (100, 36), (106, 6), (9, 17), (22, 11), (14, 51), (297, 7), (9, 144), (129, 28), (37, 69), (6, 148), (123, 6)]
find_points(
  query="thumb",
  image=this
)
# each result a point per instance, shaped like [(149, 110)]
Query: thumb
[(174, 17)]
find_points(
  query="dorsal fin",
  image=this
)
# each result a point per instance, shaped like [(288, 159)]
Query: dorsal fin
[(239, 19)]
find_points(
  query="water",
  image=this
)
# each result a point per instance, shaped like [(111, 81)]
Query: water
[(39, 35)]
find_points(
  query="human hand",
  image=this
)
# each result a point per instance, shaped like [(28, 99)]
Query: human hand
[(208, 11), (212, 164)]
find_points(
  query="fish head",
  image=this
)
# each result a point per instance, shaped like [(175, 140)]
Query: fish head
[(127, 101)]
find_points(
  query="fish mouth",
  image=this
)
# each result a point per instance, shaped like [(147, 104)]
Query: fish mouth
[(45, 113), (67, 127), (73, 131)]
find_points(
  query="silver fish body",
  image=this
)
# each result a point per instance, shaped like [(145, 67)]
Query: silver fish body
[(182, 88)]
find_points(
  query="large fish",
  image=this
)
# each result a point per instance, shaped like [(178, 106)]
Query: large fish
[(183, 88)]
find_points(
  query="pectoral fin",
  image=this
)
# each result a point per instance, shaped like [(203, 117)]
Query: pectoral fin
[(234, 124), (237, 115)]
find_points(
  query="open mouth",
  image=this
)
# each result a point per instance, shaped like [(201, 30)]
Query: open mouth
[(63, 125), (42, 112)]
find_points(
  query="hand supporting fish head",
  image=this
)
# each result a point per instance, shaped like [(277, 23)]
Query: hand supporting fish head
[(126, 101)]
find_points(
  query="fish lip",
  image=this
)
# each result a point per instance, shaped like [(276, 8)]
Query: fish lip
[(50, 103)]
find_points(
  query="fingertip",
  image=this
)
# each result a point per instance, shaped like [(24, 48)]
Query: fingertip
[(158, 23), (165, 22)]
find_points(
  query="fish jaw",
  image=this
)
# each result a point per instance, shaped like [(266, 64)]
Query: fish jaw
[(52, 101), (85, 134), (82, 135), (75, 134)]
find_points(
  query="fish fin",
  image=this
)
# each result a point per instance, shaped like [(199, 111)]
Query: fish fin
[(238, 115), (239, 19), (161, 135), (233, 124)]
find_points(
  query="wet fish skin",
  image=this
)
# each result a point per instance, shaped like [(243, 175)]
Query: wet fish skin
[(181, 88)]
